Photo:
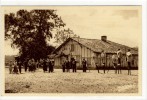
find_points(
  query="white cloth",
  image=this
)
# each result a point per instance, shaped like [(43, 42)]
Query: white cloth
[(129, 56), (119, 54), (114, 59), (102, 54)]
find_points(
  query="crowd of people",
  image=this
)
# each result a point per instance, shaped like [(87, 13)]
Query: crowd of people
[(117, 59), (31, 65), (48, 66), (72, 64), (67, 65)]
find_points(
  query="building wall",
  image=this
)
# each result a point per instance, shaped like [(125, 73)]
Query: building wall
[(78, 53)]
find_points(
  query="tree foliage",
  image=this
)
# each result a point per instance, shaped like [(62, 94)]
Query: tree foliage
[(63, 34), (29, 31)]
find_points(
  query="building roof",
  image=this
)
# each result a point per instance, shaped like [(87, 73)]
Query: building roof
[(98, 45)]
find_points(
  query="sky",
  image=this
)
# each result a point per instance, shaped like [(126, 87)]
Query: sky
[(121, 24)]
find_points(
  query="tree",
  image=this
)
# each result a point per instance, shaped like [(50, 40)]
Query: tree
[(29, 31), (62, 35)]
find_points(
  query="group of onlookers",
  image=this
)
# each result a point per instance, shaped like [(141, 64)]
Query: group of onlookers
[(13, 67), (47, 65), (67, 65), (72, 64), (31, 65), (117, 59)]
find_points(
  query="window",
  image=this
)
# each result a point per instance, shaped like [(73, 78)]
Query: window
[(72, 47)]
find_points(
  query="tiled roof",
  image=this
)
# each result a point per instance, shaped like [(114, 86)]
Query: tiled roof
[(97, 45)]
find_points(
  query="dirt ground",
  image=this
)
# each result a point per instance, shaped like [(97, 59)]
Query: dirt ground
[(59, 82)]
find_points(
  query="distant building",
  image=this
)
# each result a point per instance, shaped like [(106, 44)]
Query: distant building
[(90, 49)]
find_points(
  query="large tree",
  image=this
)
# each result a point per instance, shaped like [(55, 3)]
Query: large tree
[(29, 31)]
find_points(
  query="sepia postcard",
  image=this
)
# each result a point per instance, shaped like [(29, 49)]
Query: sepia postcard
[(72, 50)]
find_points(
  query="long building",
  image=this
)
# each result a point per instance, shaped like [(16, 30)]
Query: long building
[(90, 49)]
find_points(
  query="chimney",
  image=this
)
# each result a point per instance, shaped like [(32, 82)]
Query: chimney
[(104, 38)]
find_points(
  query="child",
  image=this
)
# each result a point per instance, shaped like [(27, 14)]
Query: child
[(10, 67), (15, 68)]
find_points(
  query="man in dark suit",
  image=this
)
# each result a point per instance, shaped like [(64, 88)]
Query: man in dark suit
[(50, 66), (67, 65), (74, 67), (63, 66), (84, 63), (26, 65)]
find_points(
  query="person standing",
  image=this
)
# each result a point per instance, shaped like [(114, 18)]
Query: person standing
[(63, 66), (97, 67), (119, 56), (74, 67), (47, 64), (129, 60), (114, 61), (30, 65), (103, 59), (41, 63), (37, 64), (15, 68), (84, 63), (33, 65), (26, 65), (44, 66), (67, 65), (10, 67), (19, 66), (50, 66)]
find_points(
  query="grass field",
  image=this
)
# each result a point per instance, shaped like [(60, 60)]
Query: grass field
[(59, 82)]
